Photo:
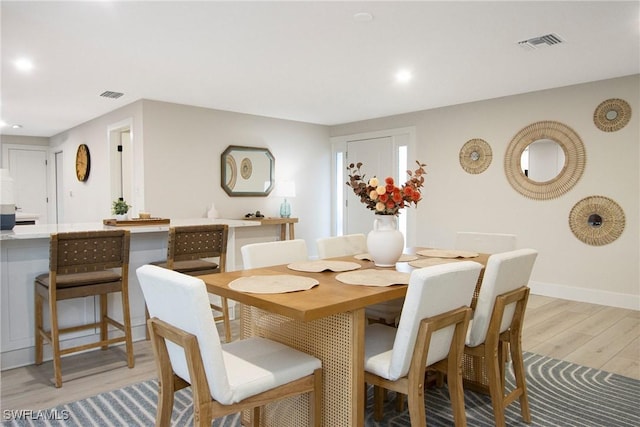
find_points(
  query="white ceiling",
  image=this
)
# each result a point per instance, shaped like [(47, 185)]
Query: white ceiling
[(307, 60)]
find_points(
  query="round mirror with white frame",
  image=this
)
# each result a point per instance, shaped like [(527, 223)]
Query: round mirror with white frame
[(544, 160)]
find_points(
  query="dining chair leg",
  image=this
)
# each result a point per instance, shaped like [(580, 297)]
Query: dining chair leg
[(521, 383), (495, 387), (456, 393), (378, 402), (415, 402)]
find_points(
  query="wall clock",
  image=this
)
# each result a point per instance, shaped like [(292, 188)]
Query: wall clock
[(83, 162)]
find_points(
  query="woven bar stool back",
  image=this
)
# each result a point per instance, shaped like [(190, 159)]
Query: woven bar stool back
[(83, 264), (191, 249)]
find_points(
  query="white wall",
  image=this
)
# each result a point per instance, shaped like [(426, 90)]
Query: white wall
[(90, 201), (181, 147), (457, 201), (178, 149)]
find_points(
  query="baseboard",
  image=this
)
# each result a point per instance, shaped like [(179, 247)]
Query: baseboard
[(593, 296), (26, 356)]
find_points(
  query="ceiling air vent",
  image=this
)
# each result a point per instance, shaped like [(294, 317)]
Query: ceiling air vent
[(112, 95), (541, 41)]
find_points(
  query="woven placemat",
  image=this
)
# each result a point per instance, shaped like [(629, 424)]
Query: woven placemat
[(373, 277), (273, 284), (323, 265), (447, 253)]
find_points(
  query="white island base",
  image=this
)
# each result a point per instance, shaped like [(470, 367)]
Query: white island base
[(25, 254)]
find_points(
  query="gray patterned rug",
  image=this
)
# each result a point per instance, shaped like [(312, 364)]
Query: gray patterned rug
[(560, 394)]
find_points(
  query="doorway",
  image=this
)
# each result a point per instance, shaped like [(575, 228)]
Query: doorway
[(121, 162), (383, 153), (29, 169)]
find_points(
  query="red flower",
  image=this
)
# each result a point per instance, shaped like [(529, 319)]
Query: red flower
[(388, 199)]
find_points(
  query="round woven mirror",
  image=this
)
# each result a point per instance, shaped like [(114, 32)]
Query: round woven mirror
[(612, 115), (475, 156), (597, 220), (568, 173)]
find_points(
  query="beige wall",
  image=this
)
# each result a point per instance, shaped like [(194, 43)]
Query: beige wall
[(182, 150), (457, 201), (179, 176)]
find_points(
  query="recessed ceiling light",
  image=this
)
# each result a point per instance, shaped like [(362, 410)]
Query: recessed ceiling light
[(363, 17), (403, 76), (16, 126), (2, 124), (24, 64)]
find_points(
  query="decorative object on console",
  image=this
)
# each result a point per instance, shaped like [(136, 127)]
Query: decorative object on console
[(597, 220), (475, 156), (569, 174), (612, 115), (286, 189), (385, 243), (120, 209)]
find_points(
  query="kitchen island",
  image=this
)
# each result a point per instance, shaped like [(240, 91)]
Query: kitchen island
[(24, 254)]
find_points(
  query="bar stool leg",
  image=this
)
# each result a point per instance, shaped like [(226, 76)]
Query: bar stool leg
[(126, 316), (55, 340), (104, 333), (38, 327)]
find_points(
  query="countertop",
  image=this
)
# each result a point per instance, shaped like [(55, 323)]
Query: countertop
[(40, 231)]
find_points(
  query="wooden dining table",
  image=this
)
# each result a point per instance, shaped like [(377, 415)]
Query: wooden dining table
[(327, 321)]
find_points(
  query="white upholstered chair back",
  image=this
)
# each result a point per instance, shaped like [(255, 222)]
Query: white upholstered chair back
[(504, 272), (488, 243), (432, 291), (350, 244), (256, 255), (182, 301)]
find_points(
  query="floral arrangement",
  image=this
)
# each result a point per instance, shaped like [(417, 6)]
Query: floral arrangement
[(385, 198)]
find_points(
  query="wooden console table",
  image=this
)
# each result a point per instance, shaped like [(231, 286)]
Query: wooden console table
[(282, 222)]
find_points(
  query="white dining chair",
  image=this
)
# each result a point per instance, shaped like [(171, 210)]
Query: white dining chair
[(265, 254), (387, 312), (337, 246), (487, 243), (224, 378), (430, 334), (496, 327)]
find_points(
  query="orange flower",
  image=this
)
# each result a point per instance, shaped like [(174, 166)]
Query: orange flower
[(386, 199)]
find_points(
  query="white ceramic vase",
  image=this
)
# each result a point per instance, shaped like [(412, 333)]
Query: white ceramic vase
[(385, 243)]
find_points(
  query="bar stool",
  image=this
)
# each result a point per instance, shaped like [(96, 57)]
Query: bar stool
[(83, 264), (188, 251)]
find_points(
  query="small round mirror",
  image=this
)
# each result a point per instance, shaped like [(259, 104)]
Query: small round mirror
[(594, 220), (474, 156), (611, 114), (542, 160)]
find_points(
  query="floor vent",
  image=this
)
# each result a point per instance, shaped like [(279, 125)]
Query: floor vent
[(541, 41), (112, 95)]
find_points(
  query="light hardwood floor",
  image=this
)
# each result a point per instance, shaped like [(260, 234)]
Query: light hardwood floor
[(587, 334)]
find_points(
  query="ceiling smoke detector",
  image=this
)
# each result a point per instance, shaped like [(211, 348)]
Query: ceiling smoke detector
[(541, 41), (110, 94)]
